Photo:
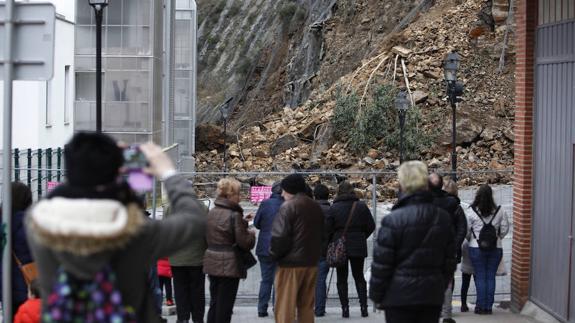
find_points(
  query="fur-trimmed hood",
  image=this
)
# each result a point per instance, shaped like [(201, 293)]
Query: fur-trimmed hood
[(84, 227)]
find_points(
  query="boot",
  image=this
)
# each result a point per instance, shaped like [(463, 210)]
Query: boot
[(364, 312), (361, 287), (345, 311), (343, 298)]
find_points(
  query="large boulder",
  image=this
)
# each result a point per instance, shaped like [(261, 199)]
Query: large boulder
[(282, 144), (211, 137)]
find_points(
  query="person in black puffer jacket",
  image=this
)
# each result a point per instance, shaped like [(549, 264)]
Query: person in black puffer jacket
[(413, 259), (360, 228)]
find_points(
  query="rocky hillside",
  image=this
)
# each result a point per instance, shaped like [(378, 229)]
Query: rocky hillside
[(271, 54), (359, 51)]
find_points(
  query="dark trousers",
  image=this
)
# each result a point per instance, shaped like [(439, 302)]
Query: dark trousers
[(321, 287), (465, 282), (166, 284), (190, 290), (268, 269), (413, 314), (485, 264), (360, 284), (223, 291)]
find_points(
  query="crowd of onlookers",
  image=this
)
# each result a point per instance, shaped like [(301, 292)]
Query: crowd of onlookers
[(97, 257)]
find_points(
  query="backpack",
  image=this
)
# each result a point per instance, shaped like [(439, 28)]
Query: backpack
[(487, 239), (99, 300), (336, 251)]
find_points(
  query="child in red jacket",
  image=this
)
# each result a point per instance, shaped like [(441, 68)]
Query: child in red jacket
[(31, 310), (165, 275)]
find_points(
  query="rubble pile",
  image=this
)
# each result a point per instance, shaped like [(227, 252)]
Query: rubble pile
[(302, 138)]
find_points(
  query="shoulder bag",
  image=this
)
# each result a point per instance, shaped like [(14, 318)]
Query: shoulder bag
[(336, 250), (29, 271), (244, 258)]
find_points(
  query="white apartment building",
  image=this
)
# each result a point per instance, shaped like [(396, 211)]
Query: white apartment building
[(43, 112)]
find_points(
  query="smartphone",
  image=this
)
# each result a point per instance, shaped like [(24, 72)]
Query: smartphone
[(134, 159), (134, 163)]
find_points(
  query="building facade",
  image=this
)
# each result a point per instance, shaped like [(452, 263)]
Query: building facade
[(132, 52), (149, 72), (543, 273), (43, 111)]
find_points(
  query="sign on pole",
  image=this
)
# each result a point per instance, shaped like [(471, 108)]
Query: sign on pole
[(33, 46), (260, 193), (26, 53)]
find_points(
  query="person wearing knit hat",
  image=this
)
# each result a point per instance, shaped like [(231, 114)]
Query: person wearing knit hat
[(92, 159), (294, 184), (296, 241), (93, 226)]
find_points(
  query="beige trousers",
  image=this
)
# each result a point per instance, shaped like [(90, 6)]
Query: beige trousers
[(295, 292)]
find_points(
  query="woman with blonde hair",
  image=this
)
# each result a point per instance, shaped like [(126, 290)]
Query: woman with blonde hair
[(226, 230)]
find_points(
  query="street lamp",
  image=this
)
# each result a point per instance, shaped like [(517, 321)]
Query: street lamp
[(98, 6), (225, 110), (402, 105), (454, 91)]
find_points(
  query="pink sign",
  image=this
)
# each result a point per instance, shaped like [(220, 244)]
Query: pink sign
[(260, 193), (50, 186)]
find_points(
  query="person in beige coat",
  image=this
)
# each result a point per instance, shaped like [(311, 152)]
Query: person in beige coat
[(220, 261)]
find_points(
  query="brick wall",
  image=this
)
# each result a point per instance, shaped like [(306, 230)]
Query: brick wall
[(526, 20)]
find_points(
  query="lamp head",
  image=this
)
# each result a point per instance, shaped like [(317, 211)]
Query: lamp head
[(225, 108), (402, 102), (450, 66), (98, 4)]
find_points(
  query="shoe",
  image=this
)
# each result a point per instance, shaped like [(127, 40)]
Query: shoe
[(364, 312), (480, 311), (320, 314), (345, 312), (449, 321), (489, 312), (263, 314), (464, 308), (169, 302)]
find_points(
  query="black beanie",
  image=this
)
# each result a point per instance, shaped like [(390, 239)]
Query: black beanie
[(294, 184), (92, 159)]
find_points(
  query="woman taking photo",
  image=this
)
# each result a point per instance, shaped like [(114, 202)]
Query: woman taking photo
[(488, 225), (226, 228), (349, 216)]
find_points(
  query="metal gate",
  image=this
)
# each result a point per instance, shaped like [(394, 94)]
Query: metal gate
[(552, 270)]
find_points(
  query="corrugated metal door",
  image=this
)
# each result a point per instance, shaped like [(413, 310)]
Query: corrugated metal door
[(572, 296), (553, 158)]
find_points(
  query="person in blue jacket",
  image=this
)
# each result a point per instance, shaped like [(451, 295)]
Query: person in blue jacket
[(263, 222), (21, 200)]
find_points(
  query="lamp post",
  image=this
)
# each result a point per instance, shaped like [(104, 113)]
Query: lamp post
[(225, 111), (98, 6), (401, 104), (454, 91)]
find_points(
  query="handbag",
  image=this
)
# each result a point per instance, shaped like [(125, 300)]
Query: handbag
[(336, 250), (29, 271), (244, 258)]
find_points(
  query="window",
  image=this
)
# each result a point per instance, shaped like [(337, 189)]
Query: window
[(67, 96), (48, 105)]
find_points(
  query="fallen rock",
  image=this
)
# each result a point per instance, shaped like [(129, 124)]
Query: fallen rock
[(283, 144), (401, 51), (419, 96), (210, 137)]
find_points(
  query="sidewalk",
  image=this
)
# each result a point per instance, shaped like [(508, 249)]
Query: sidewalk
[(244, 314)]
